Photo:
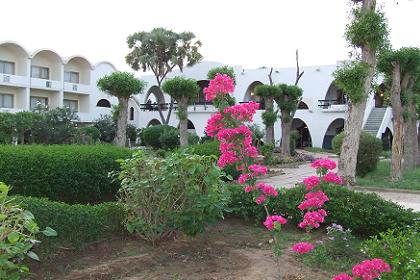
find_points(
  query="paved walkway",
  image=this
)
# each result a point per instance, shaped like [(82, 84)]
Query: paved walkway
[(293, 175)]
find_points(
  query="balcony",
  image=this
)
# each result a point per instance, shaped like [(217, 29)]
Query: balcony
[(13, 80), (332, 106), (10, 110), (77, 88), (46, 84)]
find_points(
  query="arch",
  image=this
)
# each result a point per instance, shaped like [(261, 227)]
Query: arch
[(387, 139), (48, 52), (79, 58), (17, 55), (379, 96), (81, 67), (105, 62), (103, 103), (153, 122), (153, 98), (48, 59), (334, 96), (305, 139), (335, 127), (249, 93), (201, 98), (302, 106), (131, 113)]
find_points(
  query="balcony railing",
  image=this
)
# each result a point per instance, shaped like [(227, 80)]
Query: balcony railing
[(13, 80), (45, 84), (332, 105), (76, 88)]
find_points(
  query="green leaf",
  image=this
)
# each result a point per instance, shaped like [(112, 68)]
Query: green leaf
[(13, 237), (32, 255), (49, 232), (27, 215)]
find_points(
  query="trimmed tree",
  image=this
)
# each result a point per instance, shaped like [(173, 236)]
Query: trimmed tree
[(287, 101), (160, 51), (367, 33), (183, 90), (268, 93), (122, 85), (226, 70)]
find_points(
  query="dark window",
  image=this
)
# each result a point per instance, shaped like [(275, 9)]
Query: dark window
[(131, 113), (103, 103)]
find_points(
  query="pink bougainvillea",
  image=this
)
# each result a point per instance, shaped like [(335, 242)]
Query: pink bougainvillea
[(366, 270), (270, 220), (311, 182), (342, 276), (243, 112), (313, 200), (324, 163), (332, 177), (221, 84), (302, 247)]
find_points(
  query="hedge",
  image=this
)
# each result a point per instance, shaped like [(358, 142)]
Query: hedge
[(365, 214), (75, 224), (68, 173)]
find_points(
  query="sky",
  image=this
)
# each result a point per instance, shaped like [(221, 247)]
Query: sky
[(249, 33)]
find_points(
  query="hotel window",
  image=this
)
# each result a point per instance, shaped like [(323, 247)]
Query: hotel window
[(131, 114), (71, 77), (40, 72), (6, 100), (73, 105), (7, 67), (36, 100)]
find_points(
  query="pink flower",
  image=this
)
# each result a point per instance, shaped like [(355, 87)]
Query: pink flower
[(324, 163), (214, 124), (342, 276), (258, 169), (221, 84), (248, 189), (260, 199), (314, 200), (243, 178), (313, 218), (332, 178), (369, 269), (267, 189), (302, 247), (311, 182), (269, 221), (242, 112)]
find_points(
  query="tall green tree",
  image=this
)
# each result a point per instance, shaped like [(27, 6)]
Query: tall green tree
[(122, 85), (160, 51), (184, 91), (268, 93), (367, 33), (287, 101)]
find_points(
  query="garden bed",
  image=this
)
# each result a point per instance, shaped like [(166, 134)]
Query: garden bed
[(232, 249)]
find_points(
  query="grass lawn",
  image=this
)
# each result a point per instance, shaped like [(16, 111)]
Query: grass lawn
[(318, 150), (380, 178)]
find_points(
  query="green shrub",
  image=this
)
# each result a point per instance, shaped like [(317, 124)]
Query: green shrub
[(365, 214), (399, 248), (75, 224), (169, 139), (68, 173), (131, 133), (107, 127), (93, 132), (208, 148), (178, 193), (151, 134), (17, 236), (193, 139), (370, 149), (267, 151)]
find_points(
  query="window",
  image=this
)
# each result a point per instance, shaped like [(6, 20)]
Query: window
[(72, 104), (103, 103), (40, 72), (131, 113), (36, 100), (7, 67), (71, 77), (6, 100)]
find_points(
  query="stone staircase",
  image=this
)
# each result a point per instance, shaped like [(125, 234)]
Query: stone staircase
[(374, 121)]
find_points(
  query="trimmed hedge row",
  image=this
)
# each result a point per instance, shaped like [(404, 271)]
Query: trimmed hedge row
[(68, 173), (75, 224), (365, 214)]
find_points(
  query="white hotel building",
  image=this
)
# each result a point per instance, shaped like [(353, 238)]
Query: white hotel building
[(44, 76)]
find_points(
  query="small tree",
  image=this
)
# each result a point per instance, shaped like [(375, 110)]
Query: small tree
[(122, 85), (160, 51), (268, 93), (183, 90), (227, 70), (287, 101)]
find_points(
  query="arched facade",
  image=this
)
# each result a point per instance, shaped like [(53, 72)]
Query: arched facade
[(154, 98), (201, 98), (15, 59), (103, 103), (46, 64), (302, 106), (153, 122), (387, 139), (250, 94), (334, 96), (77, 70), (305, 139), (333, 129)]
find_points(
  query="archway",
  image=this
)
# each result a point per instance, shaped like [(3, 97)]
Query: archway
[(201, 98), (387, 139), (302, 106), (191, 127), (154, 98), (379, 96), (103, 103), (333, 129), (334, 96), (250, 94), (154, 122), (304, 139)]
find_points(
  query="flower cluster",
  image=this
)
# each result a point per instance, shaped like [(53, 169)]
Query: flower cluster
[(214, 124), (312, 219), (332, 177), (324, 163), (243, 112), (302, 247), (366, 270), (221, 84), (313, 200), (270, 220), (311, 182)]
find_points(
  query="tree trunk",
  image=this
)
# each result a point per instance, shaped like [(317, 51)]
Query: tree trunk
[(411, 148), (183, 121), (353, 125), (285, 136), (269, 129), (121, 137), (398, 123)]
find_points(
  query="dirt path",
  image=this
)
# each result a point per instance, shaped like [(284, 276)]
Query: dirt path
[(230, 250)]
